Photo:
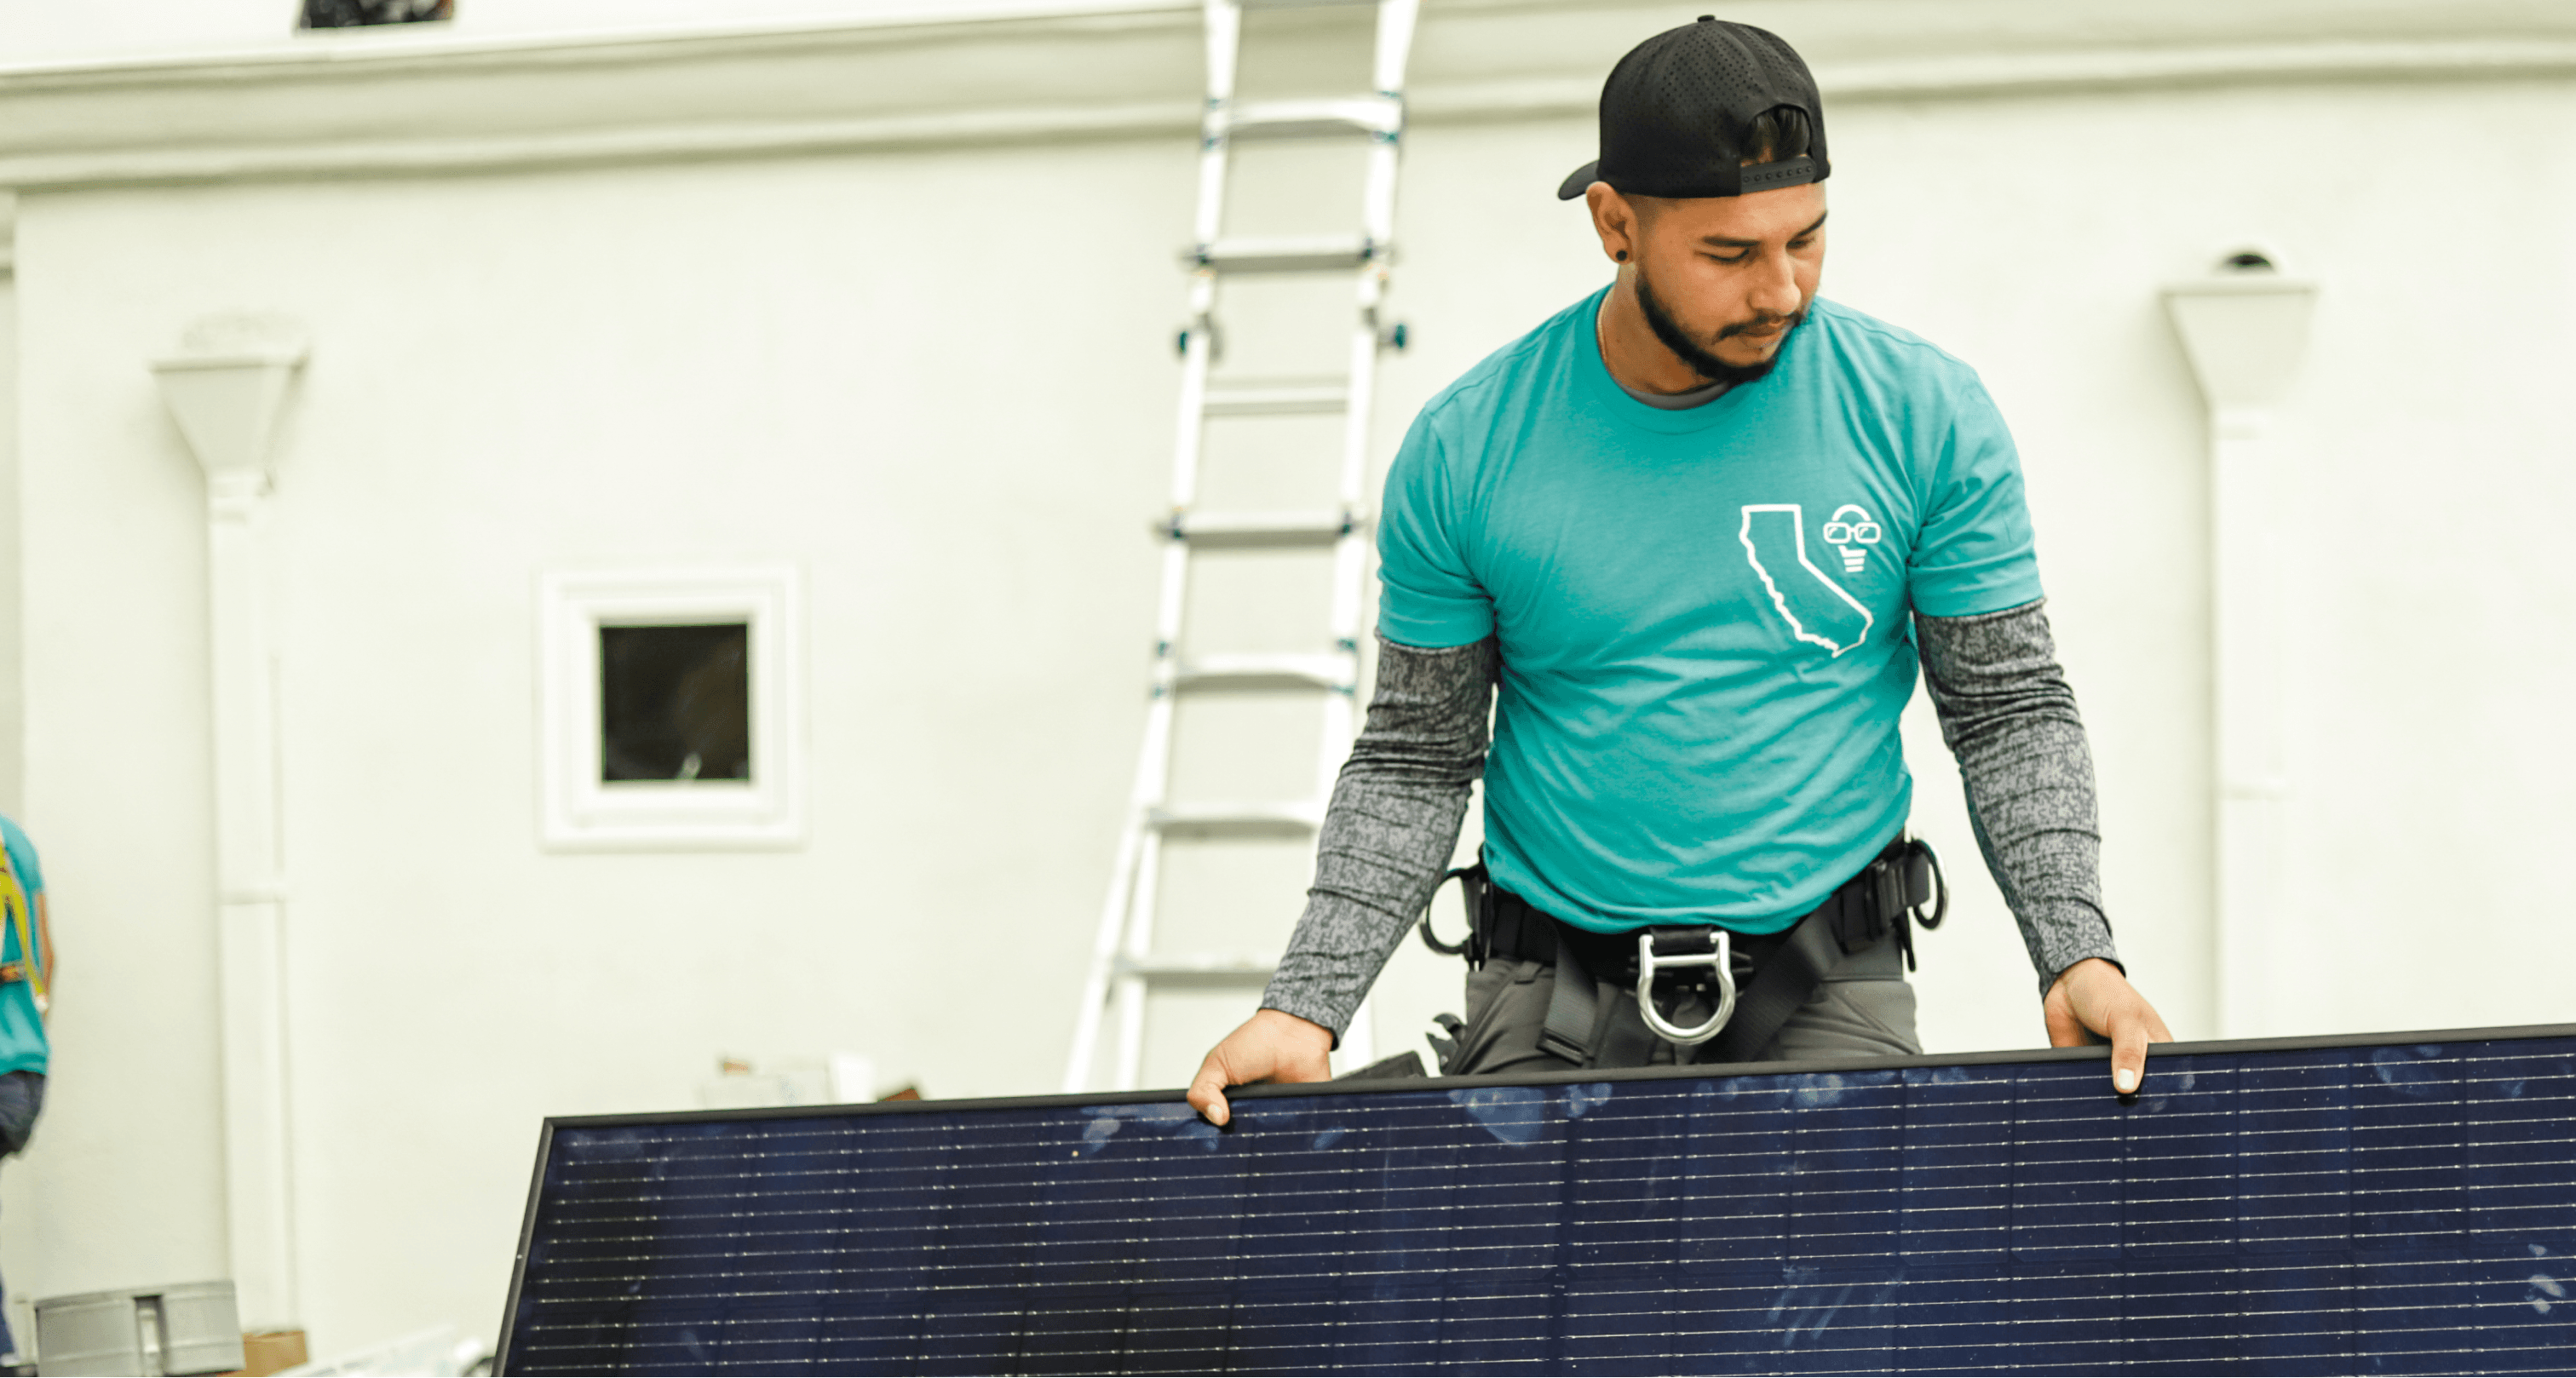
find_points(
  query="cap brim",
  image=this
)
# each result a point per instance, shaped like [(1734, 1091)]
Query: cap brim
[(1584, 176)]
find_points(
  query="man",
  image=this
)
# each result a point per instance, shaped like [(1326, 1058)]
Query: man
[(1684, 527), (24, 981)]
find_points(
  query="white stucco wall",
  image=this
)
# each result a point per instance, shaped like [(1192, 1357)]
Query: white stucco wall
[(607, 370), (939, 381)]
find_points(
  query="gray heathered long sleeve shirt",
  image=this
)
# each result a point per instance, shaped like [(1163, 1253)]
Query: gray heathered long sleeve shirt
[(2006, 713)]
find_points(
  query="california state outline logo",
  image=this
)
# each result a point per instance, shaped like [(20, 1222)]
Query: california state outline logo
[(1819, 611)]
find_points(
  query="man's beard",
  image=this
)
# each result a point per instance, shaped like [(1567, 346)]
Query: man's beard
[(1693, 353)]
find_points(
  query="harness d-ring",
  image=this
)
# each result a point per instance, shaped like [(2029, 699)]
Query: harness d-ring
[(1940, 887), (1648, 964)]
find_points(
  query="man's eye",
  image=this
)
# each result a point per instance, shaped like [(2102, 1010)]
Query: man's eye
[(1727, 258)]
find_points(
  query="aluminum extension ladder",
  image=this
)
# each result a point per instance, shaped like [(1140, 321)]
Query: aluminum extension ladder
[(1126, 967)]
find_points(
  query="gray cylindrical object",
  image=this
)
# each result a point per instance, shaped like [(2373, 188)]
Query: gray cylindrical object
[(200, 1328), (91, 1333), (187, 1328)]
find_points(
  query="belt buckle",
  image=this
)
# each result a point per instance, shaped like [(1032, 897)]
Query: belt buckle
[(1718, 958)]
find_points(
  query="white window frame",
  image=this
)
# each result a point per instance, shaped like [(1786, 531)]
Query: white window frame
[(581, 813)]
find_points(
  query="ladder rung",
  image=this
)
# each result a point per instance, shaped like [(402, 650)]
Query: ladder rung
[(1302, 253), (1277, 397), (1199, 968), (1307, 119), (1238, 820), (1266, 672), (1257, 530)]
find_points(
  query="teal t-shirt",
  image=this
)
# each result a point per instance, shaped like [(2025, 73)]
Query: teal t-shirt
[(22, 1032), (1702, 614)]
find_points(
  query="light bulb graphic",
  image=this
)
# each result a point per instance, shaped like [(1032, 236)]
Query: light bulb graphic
[(1851, 532)]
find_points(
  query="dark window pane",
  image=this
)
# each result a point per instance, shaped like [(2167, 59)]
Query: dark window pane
[(348, 14), (675, 703)]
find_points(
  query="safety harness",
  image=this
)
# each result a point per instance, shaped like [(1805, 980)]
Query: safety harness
[(1752, 983)]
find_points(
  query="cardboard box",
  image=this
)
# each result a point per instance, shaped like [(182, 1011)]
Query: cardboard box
[(272, 1351)]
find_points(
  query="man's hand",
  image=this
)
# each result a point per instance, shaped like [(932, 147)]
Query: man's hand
[(1271, 1046), (2092, 1001)]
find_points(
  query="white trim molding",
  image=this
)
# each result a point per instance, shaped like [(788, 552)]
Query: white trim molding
[(371, 104), (579, 811)]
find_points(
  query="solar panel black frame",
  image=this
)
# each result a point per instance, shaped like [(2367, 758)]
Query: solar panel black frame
[(2175, 1302)]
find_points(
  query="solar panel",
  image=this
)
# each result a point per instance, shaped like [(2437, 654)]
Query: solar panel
[(2394, 1205)]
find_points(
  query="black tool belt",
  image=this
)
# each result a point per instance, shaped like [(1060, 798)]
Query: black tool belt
[(1766, 979)]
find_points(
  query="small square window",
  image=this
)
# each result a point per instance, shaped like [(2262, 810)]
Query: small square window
[(672, 709), (351, 14), (675, 703)]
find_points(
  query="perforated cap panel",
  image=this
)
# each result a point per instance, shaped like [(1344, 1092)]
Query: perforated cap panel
[(2289, 1209), (1675, 111)]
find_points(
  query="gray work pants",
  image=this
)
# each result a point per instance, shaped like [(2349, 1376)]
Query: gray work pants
[(1864, 1008)]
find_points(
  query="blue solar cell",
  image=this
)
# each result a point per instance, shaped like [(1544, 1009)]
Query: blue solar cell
[(2329, 1206)]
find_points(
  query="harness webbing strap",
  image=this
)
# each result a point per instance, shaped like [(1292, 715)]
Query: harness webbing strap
[(1574, 1011), (1784, 982)]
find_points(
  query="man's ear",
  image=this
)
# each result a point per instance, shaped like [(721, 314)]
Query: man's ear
[(1614, 218)]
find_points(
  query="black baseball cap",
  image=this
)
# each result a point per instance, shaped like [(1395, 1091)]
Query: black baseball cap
[(1676, 110)]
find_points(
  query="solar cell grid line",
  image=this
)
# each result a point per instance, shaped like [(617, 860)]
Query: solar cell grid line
[(2390, 1204)]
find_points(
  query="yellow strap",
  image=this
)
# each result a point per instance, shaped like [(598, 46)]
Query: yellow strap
[(14, 896)]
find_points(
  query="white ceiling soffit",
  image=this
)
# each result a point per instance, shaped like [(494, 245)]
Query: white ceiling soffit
[(372, 103)]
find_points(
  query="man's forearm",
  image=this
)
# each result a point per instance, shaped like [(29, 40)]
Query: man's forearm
[(2010, 719), (1391, 827)]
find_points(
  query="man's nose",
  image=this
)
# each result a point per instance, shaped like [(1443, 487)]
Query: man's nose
[(1775, 290)]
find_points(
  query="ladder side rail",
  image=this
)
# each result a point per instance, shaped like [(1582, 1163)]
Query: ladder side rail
[(1350, 570), (1365, 345), (1214, 148), (1396, 21), (1223, 28), (1224, 32), (1139, 946), (1377, 228), (1350, 552), (1377, 206), (1395, 28), (1127, 914), (1153, 757), (1154, 764), (1350, 555), (1224, 25), (1171, 606), (1104, 957), (1198, 355)]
